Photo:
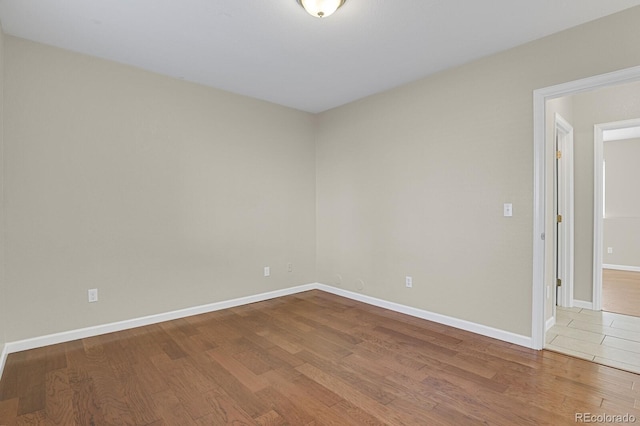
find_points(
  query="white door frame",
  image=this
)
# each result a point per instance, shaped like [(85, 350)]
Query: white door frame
[(540, 96), (598, 185), (564, 184)]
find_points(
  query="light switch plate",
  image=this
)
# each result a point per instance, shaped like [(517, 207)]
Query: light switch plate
[(508, 209)]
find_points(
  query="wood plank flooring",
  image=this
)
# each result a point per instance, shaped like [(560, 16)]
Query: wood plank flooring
[(621, 292), (307, 359)]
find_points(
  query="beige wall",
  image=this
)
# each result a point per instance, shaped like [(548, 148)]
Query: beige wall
[(3, 310), (600, 106), (160, 193), (621, 225), (622, 176), (412, 181)]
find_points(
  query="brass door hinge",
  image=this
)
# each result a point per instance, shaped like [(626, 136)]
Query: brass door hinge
[(558, 154), (559, 218), (559, 282)]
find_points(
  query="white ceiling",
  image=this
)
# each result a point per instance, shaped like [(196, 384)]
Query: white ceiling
[(273, 50)]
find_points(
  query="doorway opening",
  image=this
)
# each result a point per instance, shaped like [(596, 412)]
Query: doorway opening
[(542, 225), (580, 328), (616, 285)]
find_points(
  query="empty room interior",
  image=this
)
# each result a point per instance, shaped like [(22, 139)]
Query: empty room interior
[(224, 212)]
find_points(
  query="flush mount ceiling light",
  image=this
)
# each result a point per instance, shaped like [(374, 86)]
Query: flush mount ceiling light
[(321, 8)]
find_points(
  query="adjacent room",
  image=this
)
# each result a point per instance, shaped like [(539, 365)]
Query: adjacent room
[(598, 316), (287, 212)]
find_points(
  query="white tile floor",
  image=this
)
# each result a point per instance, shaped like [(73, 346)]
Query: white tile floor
[(603, 337)]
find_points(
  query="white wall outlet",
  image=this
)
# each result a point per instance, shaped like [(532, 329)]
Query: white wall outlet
[(290, 267), (92, 295), (408, 281), (508, 209), (267, 271), (610, 250)]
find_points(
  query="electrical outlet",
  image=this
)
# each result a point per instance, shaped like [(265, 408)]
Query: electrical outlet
[(267, 271), (92, 294), (290, 267), (408, 281)]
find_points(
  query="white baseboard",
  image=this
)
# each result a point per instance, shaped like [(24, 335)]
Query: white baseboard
[(3, 358), (622, 267), (483, 330), (582, 304), (82, 333), (550, 323), (67, 336)]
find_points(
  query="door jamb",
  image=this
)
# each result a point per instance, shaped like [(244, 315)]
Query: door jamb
[(565, 208)]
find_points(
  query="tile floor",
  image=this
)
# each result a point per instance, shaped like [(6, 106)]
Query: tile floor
[(603, 337)]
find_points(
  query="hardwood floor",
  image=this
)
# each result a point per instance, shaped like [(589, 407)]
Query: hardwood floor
[(621, 292), (307, 359)]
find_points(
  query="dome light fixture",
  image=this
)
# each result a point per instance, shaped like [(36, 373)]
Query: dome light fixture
[(320, 8)]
